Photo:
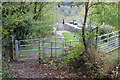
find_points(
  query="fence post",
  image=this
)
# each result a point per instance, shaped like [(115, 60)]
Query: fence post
[(16, 49), (55, 47), (51, 50), (39, 53), (70, 43), (43, 48), (65, 42), (119, 45), (63, 45)]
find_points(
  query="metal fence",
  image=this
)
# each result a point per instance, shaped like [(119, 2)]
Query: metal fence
[(109, 42), (45, 47)]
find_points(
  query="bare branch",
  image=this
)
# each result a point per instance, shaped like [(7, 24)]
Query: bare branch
[(94, 4)]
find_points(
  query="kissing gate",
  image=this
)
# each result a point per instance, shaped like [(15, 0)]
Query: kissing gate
[(43, 48)]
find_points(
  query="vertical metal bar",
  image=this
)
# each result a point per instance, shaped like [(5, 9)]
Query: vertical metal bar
[(13, 47), (43, 46), (16, 49), (55, 47), (39, 53), (51, 50), (65, 46), (70, 43), (65, 42)]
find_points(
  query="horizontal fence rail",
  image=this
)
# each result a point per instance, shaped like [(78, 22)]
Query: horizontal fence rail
[(53, 47), (108, 42), (43, 46)]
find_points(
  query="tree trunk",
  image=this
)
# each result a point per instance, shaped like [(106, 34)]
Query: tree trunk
[(84, 24), (8, 53)]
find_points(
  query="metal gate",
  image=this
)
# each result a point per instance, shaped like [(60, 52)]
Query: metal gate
[(43, 48)]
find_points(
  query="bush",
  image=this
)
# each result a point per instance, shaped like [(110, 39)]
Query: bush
[(74, 59)]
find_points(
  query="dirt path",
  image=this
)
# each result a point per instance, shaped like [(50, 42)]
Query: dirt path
[(32, 69)]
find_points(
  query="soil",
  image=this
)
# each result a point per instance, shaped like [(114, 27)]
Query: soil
[(32, 69)]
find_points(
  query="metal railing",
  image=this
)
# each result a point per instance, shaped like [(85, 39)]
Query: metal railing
[(43, 46), (108, 42)]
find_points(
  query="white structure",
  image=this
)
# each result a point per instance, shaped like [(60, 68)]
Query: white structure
[(69, 27)]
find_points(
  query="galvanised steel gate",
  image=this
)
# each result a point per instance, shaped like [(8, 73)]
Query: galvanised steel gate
[(43, 48)]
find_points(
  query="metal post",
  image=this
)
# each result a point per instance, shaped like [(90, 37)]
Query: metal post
[(51, 50), (55, 47), (16, 49), (65, 42), (70, 43), (63, 46), (43, 48)]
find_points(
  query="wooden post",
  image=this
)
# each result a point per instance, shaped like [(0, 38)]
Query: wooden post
[(51, 50), (16, 49), (39, 53), (96, 38), (13, 46)]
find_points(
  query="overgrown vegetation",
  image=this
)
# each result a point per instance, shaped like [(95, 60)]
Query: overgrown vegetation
[(23, 20)]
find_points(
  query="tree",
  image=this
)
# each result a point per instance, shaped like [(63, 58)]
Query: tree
[(15, 20), (20, 19)]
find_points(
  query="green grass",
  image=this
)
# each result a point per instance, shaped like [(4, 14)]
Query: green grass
[(28, 48), (69, 36)]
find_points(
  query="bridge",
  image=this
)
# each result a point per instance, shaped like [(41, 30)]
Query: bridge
[(69, 27)]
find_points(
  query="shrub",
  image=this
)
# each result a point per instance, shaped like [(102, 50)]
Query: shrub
[(74, 59)]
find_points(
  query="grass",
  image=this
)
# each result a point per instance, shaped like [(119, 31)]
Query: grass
[(69, 36), (28, 48)]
